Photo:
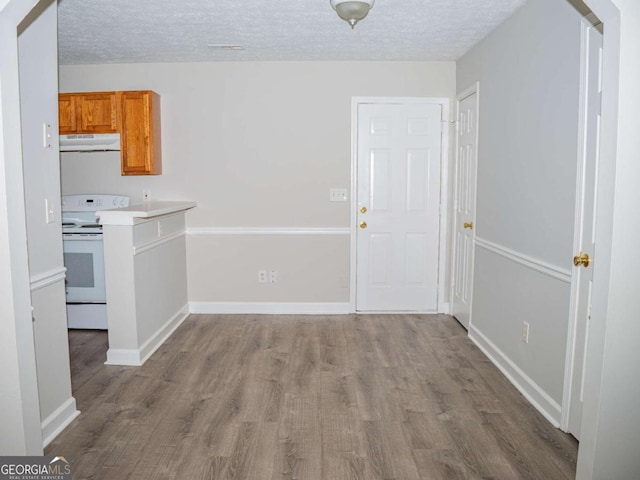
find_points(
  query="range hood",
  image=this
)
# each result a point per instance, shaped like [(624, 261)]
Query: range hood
[(91, 142)]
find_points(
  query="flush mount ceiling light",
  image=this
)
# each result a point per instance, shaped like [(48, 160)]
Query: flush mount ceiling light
[(352, 11)]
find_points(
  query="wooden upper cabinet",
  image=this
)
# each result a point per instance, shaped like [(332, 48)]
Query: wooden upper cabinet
[(140, 133), (88, 113), (67, 117), (98, 112), (135, 115)]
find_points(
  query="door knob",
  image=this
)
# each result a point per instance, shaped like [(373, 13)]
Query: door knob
[(468, 225), (363, 224), (363, 210), (582, 259)]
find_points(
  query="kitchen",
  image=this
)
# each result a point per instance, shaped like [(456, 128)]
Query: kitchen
[(201, 179)]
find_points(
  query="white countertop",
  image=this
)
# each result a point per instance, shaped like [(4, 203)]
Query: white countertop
[(135, 213)]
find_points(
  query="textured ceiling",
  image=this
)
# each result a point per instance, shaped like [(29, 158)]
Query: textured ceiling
[(122, 31)]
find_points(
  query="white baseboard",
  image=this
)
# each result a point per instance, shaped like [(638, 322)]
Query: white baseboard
[(137, 357), (58, 421), (126, 357), (271, 308), (445, 308), (546, 405)]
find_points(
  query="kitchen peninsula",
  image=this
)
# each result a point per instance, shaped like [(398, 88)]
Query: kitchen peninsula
[(146, 277)]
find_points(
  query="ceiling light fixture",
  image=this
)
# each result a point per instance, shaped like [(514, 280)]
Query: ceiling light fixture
[(352, 11)]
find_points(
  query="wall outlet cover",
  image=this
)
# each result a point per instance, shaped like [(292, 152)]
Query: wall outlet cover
[(338, 195), (262, 276)]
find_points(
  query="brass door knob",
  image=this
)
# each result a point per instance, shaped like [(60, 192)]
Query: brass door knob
[(468, 225), (363, 224), (582, 259), (363, 210)]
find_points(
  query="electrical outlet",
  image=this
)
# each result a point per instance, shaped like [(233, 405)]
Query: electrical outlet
[(337, 194), (262, 276), (273, 276), (525, 332), (146, 195)]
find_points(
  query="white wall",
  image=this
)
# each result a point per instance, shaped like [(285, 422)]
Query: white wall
[(20, 429), (38, 86), (256, 145), (528, 71), (146, 282)]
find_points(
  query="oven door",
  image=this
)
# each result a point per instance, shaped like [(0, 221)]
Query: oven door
[(84, 259)]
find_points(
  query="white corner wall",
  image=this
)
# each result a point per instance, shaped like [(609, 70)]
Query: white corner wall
[(20, 428), (257, 145), (528, 70), (611, 414), (38, 100)]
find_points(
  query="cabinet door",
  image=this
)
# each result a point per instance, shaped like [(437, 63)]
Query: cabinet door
[(140, 133), (67, 119), (98, 112)]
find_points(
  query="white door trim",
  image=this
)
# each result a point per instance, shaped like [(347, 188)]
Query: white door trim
[(609, 14), (577, 229), (467, 92), (443, 305)]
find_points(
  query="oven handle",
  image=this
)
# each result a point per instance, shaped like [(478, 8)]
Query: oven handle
[(75, 237)]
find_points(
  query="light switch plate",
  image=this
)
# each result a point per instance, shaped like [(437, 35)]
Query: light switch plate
[(46, 135), (50, 212), (337, 194)]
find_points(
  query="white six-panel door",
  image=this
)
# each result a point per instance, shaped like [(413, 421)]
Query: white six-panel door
[(465, 207), (398, 196)]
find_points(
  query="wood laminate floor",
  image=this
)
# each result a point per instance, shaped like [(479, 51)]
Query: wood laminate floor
[(394, 397)]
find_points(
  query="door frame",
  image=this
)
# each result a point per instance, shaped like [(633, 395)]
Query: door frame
[(443, 306), (570, 360), (467, 92)]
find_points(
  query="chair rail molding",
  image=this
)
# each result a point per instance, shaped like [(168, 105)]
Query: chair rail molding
[(268, 231), (525, 260)]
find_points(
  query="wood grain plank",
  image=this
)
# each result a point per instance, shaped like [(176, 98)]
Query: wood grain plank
[(393, 397)]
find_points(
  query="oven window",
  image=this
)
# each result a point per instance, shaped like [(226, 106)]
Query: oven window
[(79, 270)]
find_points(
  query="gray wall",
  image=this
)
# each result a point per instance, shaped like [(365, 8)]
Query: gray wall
[(528, 71)]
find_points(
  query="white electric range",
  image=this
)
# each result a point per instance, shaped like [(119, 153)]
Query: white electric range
[(84, 258)]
